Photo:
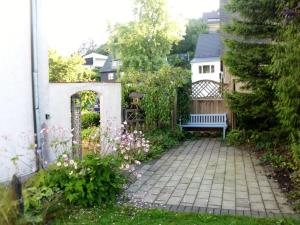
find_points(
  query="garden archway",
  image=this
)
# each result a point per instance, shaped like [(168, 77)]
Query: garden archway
[(59, 109)]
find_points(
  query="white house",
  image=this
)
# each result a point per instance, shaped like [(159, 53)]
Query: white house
[(206, 64), (28, 101), (94, 60)]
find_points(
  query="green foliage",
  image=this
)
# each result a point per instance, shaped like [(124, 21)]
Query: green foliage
[(103, 49), (68, 69), (162, 140), (39, 199), (144, 43), (8, 206), (159, 89), (286, 68), (88, 100), (125, 215), (90, 119), (189, 42), (93, 181), (89, 132), (235, 137)]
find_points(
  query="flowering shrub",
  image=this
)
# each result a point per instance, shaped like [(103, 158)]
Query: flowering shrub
[(91, 181), (131, 146)]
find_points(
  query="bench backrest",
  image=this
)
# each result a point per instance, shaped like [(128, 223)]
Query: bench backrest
[(207, 118)]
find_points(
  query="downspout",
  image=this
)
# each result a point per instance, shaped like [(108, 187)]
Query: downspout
[(35, 86)]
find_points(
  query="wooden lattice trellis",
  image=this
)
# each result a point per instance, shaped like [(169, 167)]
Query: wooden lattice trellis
[(134, 115), (208, 89)]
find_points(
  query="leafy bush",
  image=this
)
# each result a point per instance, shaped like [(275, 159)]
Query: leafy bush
[(235, 137), (92, 181), (8, 206), (160, 90), (90, 119), (161, 140), (88, 133)]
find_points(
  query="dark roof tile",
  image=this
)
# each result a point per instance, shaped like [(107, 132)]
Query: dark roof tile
[(208, 45)]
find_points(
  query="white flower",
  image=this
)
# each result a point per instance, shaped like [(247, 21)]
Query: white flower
[(126, 157), (65, 164), (71, 172), (58, 164), (135, 131), (127, 166), (137, 162), (71, 161), (64, 156)]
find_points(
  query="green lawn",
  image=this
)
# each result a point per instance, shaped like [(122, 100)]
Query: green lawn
[(122, 215)]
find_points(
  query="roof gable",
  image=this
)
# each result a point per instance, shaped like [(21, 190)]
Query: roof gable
[(208, 46)]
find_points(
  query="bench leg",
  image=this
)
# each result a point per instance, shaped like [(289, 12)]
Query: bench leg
[(224, 130)]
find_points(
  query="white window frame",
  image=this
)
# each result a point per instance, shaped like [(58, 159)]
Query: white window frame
[(110, 76)]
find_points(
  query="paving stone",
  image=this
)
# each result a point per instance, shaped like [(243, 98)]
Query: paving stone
[(174, 200), (191, 191), (189, 198), (163, 197), (203, 194), (229, 196), (239, 194), (215, 201), (204, 187), (204, 175), (257, 206), (270, 205), (228, 205), (201, 202), (182, 186), (178, 192), (216, 193)]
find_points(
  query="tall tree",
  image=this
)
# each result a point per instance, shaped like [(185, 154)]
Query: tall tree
[(144, 43), (286, 66), (249, 53), (87, 47), (68, 69), (188, 43)]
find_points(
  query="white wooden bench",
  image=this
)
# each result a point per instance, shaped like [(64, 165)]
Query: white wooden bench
[(207, 120)]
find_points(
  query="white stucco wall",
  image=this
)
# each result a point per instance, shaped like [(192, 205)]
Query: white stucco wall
[(16, 113), (60, 104), (196, 76), (16, 99)]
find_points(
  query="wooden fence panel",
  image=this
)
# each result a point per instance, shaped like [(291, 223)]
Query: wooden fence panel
[(214, 106)]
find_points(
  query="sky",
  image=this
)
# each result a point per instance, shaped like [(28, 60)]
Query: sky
[(72, 22)]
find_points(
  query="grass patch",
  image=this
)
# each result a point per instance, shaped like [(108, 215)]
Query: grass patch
[(123, 215)]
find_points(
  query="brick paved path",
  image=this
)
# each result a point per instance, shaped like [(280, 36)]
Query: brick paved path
[(206, 176)]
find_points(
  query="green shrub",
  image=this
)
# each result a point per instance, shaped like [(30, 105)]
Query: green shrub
[(235, 137), (8, 206), (91, 181), (89, 132), (40, 201), (90, 119), (161, 140)]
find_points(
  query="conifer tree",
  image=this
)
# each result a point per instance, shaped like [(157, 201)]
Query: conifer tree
[(286, 66), (248, 54)]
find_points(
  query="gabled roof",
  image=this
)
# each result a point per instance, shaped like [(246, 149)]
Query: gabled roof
[(95, 55), (208, 46), (110, 65)]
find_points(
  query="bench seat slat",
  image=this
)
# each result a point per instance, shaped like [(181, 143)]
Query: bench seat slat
[(206, 121)]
